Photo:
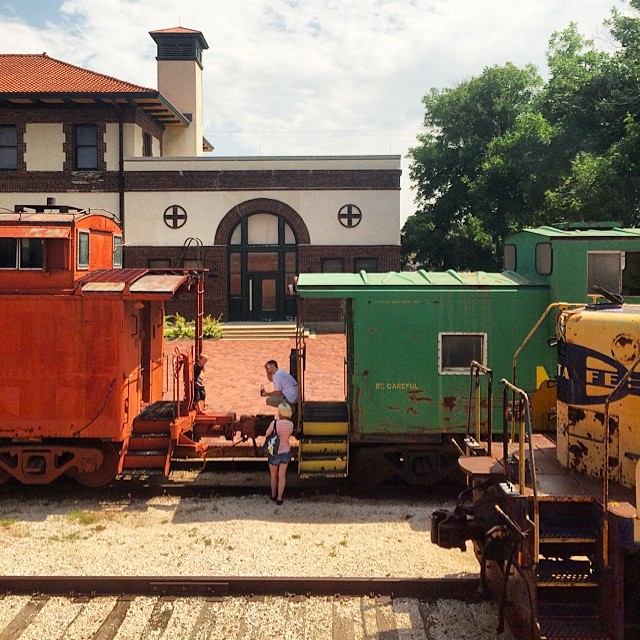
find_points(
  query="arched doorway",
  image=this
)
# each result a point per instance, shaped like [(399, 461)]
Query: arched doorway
[(262, 264)]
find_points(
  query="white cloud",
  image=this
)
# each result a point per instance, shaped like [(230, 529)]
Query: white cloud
[(313, 77)]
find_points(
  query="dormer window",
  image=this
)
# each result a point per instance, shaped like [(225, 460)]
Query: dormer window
[(83, 249)]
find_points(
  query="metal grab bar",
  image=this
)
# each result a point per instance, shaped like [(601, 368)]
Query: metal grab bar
[(475, 368), (605, 487), (523, 411)]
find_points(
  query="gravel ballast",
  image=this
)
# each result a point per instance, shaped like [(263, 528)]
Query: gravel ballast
[(322, 535)]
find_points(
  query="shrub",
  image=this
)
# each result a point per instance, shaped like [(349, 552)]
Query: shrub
[(176, 327)]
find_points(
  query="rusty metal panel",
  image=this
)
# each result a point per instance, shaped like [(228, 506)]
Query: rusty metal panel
[(127, 276), (597, 349), (34, 232), (81, 380), (402, 381)]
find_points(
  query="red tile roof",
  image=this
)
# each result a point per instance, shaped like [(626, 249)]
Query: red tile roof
[(38, 73), (176, 30)]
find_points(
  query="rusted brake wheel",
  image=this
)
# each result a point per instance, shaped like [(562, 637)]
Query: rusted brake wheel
[(104, 474)]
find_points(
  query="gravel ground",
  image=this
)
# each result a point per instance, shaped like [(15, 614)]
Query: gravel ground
[(250, 535), (226, 536)]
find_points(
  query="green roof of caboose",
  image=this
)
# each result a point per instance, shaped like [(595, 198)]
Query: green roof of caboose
[(343, 285), (589, 231)]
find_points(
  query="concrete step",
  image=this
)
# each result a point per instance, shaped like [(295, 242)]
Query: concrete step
[(260, 330)]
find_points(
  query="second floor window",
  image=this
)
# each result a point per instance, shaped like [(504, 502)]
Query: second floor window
[(8, 147), (86, 147), (147, 145)]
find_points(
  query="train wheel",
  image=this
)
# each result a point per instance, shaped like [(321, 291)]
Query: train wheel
[(367, 468), (104, 474), (4, 475)]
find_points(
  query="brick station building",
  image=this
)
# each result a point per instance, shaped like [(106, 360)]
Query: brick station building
[(92, 141)]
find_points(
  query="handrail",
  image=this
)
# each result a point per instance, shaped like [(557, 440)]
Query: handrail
[(605, 487), (524, 421), (199, 324), (477, 368), (300, 366), (536, 326)]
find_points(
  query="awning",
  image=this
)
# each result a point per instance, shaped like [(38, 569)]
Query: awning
[(135, 283), (168, 284), (34, 232)]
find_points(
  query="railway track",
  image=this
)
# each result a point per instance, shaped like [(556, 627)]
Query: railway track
[(253, 482), (425, 588), (206, 608)]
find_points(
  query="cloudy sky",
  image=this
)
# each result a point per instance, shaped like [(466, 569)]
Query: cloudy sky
[(307, 77)]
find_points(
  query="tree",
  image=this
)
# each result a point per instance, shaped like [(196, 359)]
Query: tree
[(505, 150), (459, 223)]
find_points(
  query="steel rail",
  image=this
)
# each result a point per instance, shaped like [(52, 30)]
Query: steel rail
[(190, 586)]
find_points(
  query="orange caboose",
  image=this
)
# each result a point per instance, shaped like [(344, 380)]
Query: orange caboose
[(81, 347)]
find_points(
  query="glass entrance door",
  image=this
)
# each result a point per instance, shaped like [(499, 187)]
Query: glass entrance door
[(262, 269), (263, 299)]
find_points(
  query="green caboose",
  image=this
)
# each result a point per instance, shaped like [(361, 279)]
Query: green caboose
[(411, 337)]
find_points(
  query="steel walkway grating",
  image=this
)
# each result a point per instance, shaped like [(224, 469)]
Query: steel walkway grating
[(562, 573), (325, 412), (161, 410), (566, 533), (572, 629)]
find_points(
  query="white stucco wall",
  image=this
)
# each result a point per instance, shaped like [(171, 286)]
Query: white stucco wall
[(380, 224), (111, 146), (44, 147)]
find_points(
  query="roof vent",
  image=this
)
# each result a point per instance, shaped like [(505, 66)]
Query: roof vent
[(584, 226)]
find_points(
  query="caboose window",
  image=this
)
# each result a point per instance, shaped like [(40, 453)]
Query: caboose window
[(30, 253), (605, 270), (20, 253), (117, 252), (8, 253), (83, 249), (457, 350), (631, 273), (544, 259), (510, 255)]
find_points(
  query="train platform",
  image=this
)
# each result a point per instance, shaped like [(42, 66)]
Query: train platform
[(235, 370)]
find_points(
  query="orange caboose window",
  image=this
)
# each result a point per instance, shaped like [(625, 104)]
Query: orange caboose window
[(83, 249), (21, 253)]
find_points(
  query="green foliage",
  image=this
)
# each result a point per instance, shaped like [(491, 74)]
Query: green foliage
[(505, 150), (176, 327), (82, 517)]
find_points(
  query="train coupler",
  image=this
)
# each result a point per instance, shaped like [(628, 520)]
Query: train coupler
[(452, 529)]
